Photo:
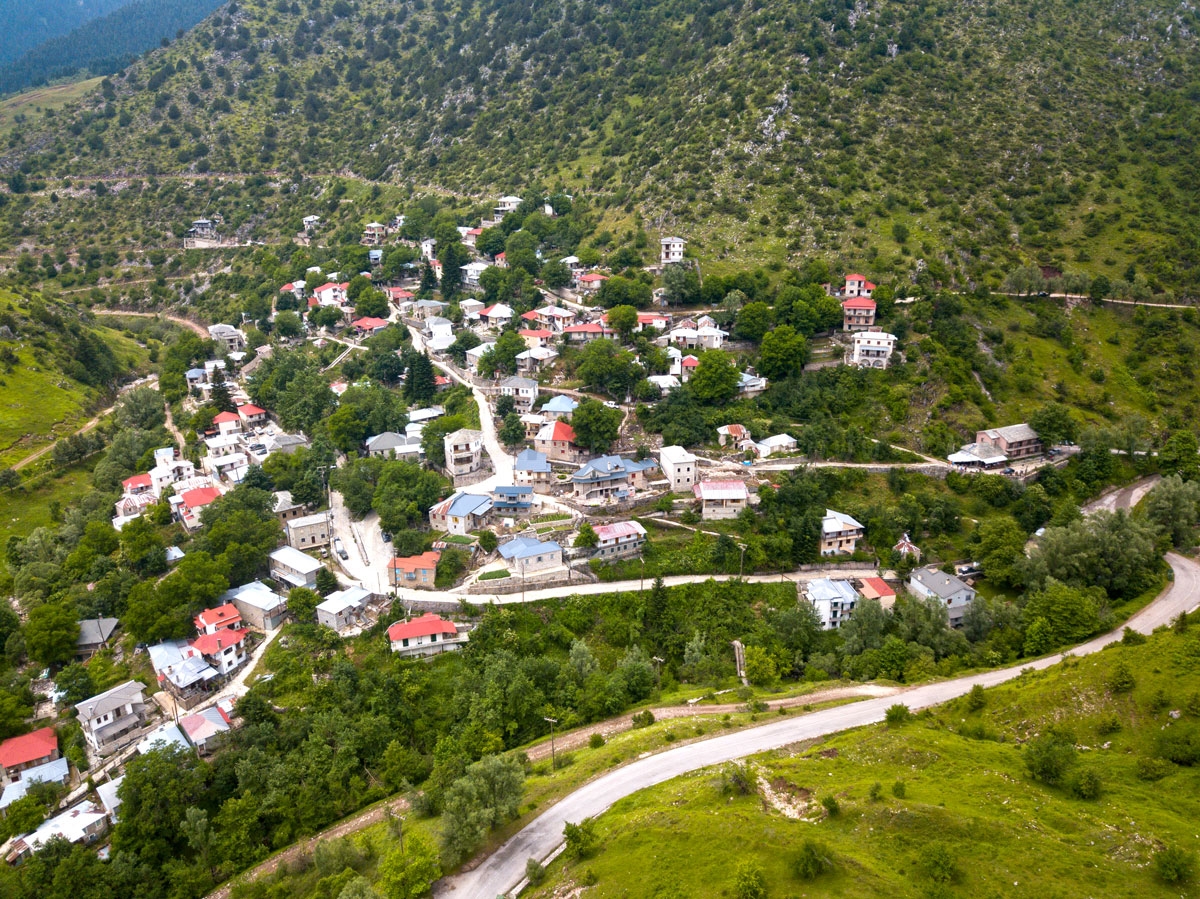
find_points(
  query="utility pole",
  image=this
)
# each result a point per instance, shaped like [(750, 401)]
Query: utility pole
[(553, 758)]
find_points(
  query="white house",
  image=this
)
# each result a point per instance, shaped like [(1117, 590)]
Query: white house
[(425, 636), (833, 600), (464, 451), (472, 271), (524, 392), (343, 609), (526, 556), (112, 714), (776, 445), (228, 336), (933, 583), (672, 249), (721, 499), (496, 316), (293, 567), (872, 348), (622, 538), (678, 467), (840, 533)]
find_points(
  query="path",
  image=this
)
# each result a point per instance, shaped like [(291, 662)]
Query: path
[(505, 868), (1124, 498), (182, 322), (34, 456)]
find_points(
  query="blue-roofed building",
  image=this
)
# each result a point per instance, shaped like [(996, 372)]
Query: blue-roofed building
[(560, 406), (195, 377), (532, 468), (57, 771), (526, 556), (611, 477), (509, 500), (461, 513)]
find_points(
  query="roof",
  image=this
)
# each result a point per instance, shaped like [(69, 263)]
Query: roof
[(517, 383), (28, 748), (57, 771), (107, 793), (498, 309), (839, 521), (858, 303), (426, 625), (674, 455), (201, 496), (204, 725), (164, 737), (293, 558), (211, 644), (94, 631), (876, 587), (735, 431), (425, 560), (463, 504), (855, 277), (828, 590), (340, 600), (386, 440), (110, 700), (560, 403), (221, 616), (256, 594), (556, 431), (251, 409), (592, 276), (509, 490), (779, 440), (672, 240), (604, 467), (1013, 433), (707, 490), (531, 460), (619, 529), (938, 582), (535, 332), (465, 434), (587, 328), (72, 825), (138, 480), (977, 453), (690, 362), (225, 418), (524, 547), (370, 323)]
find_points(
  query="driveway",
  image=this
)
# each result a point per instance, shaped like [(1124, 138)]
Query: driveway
[(506, 867)]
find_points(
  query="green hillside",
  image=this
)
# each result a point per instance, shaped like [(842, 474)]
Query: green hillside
[(961, 138), (946, 805)]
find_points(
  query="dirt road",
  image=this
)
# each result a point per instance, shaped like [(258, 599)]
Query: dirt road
[(1124, 498), (182, 322)]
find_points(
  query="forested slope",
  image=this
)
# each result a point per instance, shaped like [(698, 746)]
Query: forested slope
[(956, 136), (25, 25)]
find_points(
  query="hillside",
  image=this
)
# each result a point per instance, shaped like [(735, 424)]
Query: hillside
[(958, 810), (959, 138), (25, 25)]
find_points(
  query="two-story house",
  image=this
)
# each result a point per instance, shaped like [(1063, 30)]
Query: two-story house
[(112, 714), (1014, 441), (679, 467), (721, 499), (933, 583), (414, 571), (840, 533), (293, 567), (461, 513), (309, 531), (464, 451), (556, 440), (858, 313), (872, 348), (524, 392), (833, 600), (425, 636), (532, 469), (619, 539), (610, 477)]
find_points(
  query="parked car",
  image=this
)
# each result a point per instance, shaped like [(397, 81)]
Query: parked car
[(387, 538), (339, 549)]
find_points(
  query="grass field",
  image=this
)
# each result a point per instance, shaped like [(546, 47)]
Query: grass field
[(966, 788), (34, 102), (22, 511)]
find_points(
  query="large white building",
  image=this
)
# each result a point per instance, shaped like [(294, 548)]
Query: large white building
[(678, 467), (872, 349), (672, 249)]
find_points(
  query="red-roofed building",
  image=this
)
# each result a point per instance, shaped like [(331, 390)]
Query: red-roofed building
[(590, 283), (27, 751), (857, 286), (557, 440), (622, 538), (425, 636), (225, 650), (398, 294), (536, 337), (877, 588), (192, 502), (858, 314), (652, 320), (501, 260), (222, 617), (530, 316), (414, 571), (138, 484), (228, 422), (587, 332), (441, 382), (733, 434), (370, 325), (330, 294), (470, 236), (252, 415)]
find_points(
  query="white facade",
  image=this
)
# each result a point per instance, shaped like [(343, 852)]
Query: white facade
[(678, 466), (672, 249), (872, 349)]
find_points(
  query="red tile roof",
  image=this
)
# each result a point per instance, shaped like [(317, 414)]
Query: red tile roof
[(200, 497), (562, 431), (426, 560), (138, 480), (536, 332), (250, 409), (859, 303), (530, 316), (370, 323), (587, 328), (222, 616), (211, 644), (225, 417), (399, 293), (424, 626), (855, 278), (592, 276), (28, 748), (690, 362), (876, 587)]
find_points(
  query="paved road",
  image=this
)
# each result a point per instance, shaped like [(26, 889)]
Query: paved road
[(505, 868)]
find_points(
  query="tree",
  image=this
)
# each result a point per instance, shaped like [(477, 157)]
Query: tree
[(165, 610), (420, 384), (486, 796), (623, 320), (1054, 424), (1174, 865), (1071, 614), (782, 354), (75, 683), (1179, 456), (761, 670), (371, 303), (555, 274), (51, 632), (1049, 756), (618, 291), (587, 538), (302, 603), (681, 284), (596, 426), (1001, 547), (288, 324), (409, 872), (603, 365), (753, 321), (512, 432), (504, 405), (750, 883), (1173, 506), (581, 839), (453, 257), (716, 378), (403, 494)]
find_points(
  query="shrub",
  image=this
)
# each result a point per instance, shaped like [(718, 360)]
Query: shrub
[(535, 872), (1180, 743), (749, 882), (876, 791), (937, 863), (812, 861), (596, 740), (976, 699), (899, 790), (832, 807), (581, 838), (1086, 784), (737, 779), (1174, 865), (643, 719), (1130, 637), (1048, 757), (897, 715), (1160, 700), (1121, 680), (1153, 769)]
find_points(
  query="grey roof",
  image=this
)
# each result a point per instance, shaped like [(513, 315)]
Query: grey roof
[(828, 590), (531, 460), (340, 600), (519, 383), (256, 594), (604, 468), (386, 441), (164, 737), (560, 403), (838, 521), (939, 582), (111, 700), (107, 792), (284, 501), (524, 547), (56, 771), (1013, 433), (94, 631), (305, 521), (293, 558)]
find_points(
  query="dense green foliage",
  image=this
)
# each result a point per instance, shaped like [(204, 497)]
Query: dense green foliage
[(25, 25)]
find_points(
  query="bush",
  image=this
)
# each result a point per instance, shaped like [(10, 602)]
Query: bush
[(812, 861), (1086, 784), (643, 719), (1174, 865), (737, 779), (897, 715), (1109, 724), (876, 791), (1153, 769), (581, 839), (937, 863), (1160, 700), (1180, 743), (1121, 680), (1048, 757), (535, 872), (1130, 637), (596, 740), (832, 807), (899, 790), (976, 699), (750, 882)]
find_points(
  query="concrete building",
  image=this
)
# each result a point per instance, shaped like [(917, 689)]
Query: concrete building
[(414, 571), (461, 513), (721, 499), (678, 467), (524, 392), (858, 314), (94, 634), (464, 451), (294, 568), (309, 531), (259, 606), (932, 583), (286, 508), (610, 477), (344, 610), (532, 469), (526, 556), (619, 539), (872, 349), (425, 636), (1014, 441), (840, 533), (671, 250), (112, 714), (833, 600)]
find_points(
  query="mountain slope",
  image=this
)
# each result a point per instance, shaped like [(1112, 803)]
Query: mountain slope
[(25, 25), (106, 43), (960, 137)]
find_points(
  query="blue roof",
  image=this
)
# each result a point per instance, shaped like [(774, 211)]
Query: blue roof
[(195, 373), (524, 547), (606, 467), (469, 504), (560, 403), (531, 460), (513, 491)]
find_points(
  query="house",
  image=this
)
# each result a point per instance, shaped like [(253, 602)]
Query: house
[(732, 434), (461, 513), (331, 293), (165, 736), (857, 286), (293, 567), (390, 445), (779, 444), (107, 794), (229, 424), (221, 618), (428, 248), (425, 413), (476, 353), (423, 309), (206, 728), (425, 636), (556, 440), (203, 228), (496, 315), (554, 317), (657, 320), (57, 771), (438, 329), (523, 391), (536, 359), (344, 609), (512, 500), (414, 571), (182, 671), (751, 385), (588, 332), (252, 416), (28, 751), (907, 548), (501, 260), (224, 650), (622, 538), (526, 556), (590, 283), (399, 297), (83, 824), (932, 583), (295, 288), (470, 236), (368, 325), (536, 337), (573, 263), (192, 502), (93, 637), (671, 249), (687, 367), (872, 349), (260, 607), (858, 314), (610, 477), (228, 336), (286, 508), (721, 499), (833, 600), (374, 234), (311, 223), (559, 407), (839, 533), (532, 468), (309, 531), (471, 272), (678, 467), (664, 383), (112, 714), (138, 485), (877, 588), (464, 451), (505, 206), (711, 337), (1015, 441), (532, 423), (978, 457), (470, 309)]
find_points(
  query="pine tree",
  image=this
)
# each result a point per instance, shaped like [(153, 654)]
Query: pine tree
[(419, 384)]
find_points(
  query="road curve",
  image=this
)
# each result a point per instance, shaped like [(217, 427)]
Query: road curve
[(506, 867)]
